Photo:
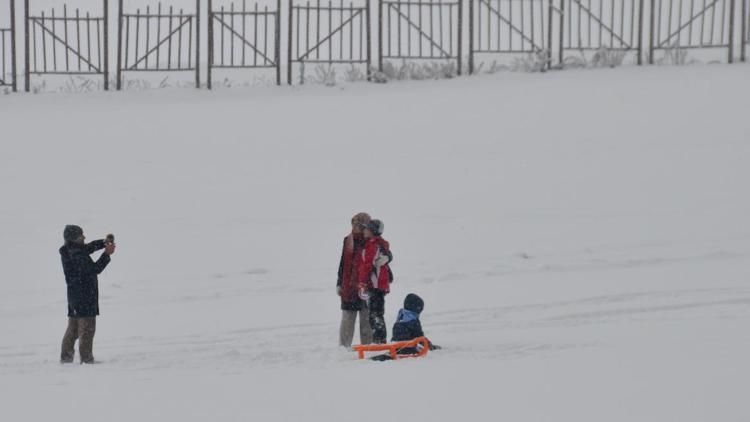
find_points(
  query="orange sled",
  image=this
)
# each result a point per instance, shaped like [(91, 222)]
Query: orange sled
[(393, 348)]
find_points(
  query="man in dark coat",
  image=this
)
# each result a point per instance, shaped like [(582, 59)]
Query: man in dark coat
[(83, 290)]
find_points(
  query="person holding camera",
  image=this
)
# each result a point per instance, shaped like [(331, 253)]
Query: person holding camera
[(81, 276)]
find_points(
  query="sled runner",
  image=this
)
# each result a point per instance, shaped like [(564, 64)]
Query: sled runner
[(394, 348)]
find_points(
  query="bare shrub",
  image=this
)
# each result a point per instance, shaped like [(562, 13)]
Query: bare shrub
[(532, 62)]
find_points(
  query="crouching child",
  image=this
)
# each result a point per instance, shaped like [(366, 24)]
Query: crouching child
[(408, 327)]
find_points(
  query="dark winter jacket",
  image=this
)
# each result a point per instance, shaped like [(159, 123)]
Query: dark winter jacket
[(370, 276), (81, 277), (407, 326)]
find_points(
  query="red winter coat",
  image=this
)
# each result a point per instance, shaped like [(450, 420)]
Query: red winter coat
[(371, 277), (348, 272)]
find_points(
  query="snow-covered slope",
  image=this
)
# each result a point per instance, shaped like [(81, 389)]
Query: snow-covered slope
[(580, 239)]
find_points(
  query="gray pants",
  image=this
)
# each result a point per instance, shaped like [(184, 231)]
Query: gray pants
[(83, 330), (346, 332)]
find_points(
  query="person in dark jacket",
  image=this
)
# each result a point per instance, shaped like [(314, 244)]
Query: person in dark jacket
[(83, 290), (408, 327)]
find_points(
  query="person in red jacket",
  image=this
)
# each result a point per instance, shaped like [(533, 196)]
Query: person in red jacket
[(347, 286), (375, 277)]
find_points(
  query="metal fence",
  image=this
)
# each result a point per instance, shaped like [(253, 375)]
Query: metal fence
[(420, 30), (332, 34), (598, 24), (508, 26), (238, 43), (8, 76), (176, 49), (691, 24), (73, 35)]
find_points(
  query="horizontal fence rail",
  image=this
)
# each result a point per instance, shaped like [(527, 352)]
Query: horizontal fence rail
[(690, 24), (332, 33), (71, 43), (158, 40), (508, 26), (8, 76), (239, 38), (420, 30)]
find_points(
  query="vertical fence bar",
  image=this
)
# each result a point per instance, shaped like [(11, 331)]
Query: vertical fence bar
[(640, 32), (277, 42), (731, 31), (471, 36), (549, 34), (13, 65), (197, 44), (119, 45), (380, 35), (289, 51), (562, 33), (460, 30), (210, 22), (27, 71), (743, 41), (651, 33), (106, 44), (369, 41)]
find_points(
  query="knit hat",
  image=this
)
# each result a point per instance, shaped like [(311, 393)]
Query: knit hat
[(72, 233), (361, 218), (413, 303), (375, 226)]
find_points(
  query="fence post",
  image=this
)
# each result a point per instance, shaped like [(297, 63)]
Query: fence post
[(119, 45), (743, 41), (27, 71), (562, 34), (197, 44), (640, 32), (549, 34), (210, 44), (13, 63), (730, 59), (106, 44), (278, 42), (651, 34), (471, 36), (289, 51), (380, 36), (460, 33), (369, 41)]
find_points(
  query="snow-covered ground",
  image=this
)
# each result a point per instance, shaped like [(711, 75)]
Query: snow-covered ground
[(581, 240)]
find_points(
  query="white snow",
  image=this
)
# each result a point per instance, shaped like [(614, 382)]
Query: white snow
[(580, 239)]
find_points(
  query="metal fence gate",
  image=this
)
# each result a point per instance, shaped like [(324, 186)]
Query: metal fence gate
[(141, 53), (691, 24), (417, 29), (8, 76), (73, 34), (345, 37), (508, 26), (603, 24), (239, 46)]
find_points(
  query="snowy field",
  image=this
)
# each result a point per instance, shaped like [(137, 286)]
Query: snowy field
[(581, 240)]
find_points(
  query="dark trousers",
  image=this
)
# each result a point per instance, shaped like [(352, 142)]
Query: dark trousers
[(83, 330), (377, 318)]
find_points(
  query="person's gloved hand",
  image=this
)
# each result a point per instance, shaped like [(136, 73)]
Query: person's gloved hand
[(338, 290), (382, 260), (363, 294)]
